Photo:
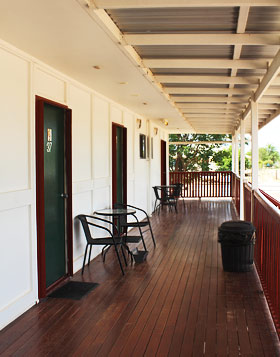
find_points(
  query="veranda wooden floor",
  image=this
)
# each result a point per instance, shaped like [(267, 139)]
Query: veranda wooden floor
[(178, 303)]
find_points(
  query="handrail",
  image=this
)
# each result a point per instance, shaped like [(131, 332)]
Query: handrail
[(267, 251), (270, 198), (203, 183)]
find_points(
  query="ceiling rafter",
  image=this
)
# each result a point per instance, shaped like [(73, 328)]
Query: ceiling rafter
[(272, 72), (241, 28), (222, 91), (193, 79), (136, 4), (195, 84), (100, 16), (207, 63), (204, 38), (210, 99)]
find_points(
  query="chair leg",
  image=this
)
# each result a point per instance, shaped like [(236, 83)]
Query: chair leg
[(119, 259), (105, 250), (84, 259), (184, 203), (124, 258), (142, 238), (152, 234), (89, 254), (155, 206)]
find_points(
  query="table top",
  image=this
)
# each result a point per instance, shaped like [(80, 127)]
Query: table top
[(115, 212), (167, 186)]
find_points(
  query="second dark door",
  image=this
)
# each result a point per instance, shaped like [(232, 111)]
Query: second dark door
[(119, 164)]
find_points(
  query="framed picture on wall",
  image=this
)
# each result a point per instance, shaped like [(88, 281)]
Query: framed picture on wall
[(148, 147), (142, 143)]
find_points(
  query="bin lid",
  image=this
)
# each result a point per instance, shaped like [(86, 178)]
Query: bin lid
[(237, 226)]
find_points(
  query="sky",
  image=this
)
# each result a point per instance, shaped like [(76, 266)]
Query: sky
[(270, 134)]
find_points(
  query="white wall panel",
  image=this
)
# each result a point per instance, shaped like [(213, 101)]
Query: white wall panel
[(48, 86), (101, 138), (92, 116), (82, 204), (155, 169), (101, 198), (14, 122), (15, 266), (80, 103), (129, 121), (116, 114), (141, 173)]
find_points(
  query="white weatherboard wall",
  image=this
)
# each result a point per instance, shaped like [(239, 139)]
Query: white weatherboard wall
[(22, 78)]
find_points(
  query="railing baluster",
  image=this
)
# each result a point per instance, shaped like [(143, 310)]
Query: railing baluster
[(206, 184)]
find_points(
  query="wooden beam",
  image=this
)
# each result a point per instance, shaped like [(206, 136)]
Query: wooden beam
[(102, 18), (210, 99), (268, 106), (218, 111), (136, 4), (199, 142), (202, 39), (212, 115), (211, 106), (241, 27), (272, 72), (222, 91), (250, 80), (270, 99), (265, 102), (270, 118), (206, 63)]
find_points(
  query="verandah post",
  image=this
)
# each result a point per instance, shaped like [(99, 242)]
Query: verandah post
[(255, 152), (242, 167)]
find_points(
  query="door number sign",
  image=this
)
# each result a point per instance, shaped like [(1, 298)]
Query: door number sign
[(49, 140)]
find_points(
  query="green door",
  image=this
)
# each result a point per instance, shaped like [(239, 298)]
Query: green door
[(119, 166), (54, 183)]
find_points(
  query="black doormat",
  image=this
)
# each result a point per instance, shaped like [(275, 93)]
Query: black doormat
[(74, 290)]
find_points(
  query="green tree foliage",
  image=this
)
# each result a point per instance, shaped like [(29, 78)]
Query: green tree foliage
[(268, 156), (223, 160), (193, 157)]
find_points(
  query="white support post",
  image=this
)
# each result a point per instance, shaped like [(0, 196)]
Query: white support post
[(255, 153), (242, 167), (233, 153), (236, 154), (255, 146)]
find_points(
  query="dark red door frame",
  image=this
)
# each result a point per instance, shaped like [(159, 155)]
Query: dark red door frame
[(163, 162), (114, 163), (40, 210)]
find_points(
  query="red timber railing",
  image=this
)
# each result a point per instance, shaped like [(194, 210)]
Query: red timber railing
[(236, 192), (270, 198), (247, 201), (203, 183), (267, 251)]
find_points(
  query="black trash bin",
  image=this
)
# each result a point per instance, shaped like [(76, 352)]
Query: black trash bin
[(237, 240)]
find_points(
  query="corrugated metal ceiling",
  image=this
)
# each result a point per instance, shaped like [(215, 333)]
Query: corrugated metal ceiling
[(206, 20)]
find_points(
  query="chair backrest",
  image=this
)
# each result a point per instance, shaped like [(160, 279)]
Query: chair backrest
[(83, 219), (155, 188), (178, 190)]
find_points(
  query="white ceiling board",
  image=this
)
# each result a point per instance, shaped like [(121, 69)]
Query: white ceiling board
[(61, 34)]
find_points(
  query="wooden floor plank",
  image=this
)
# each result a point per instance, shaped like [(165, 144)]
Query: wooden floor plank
[(178, 303)]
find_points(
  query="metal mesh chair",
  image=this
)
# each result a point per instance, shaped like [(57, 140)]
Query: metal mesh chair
[(112, 239), (165, 198), (137, 224)]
